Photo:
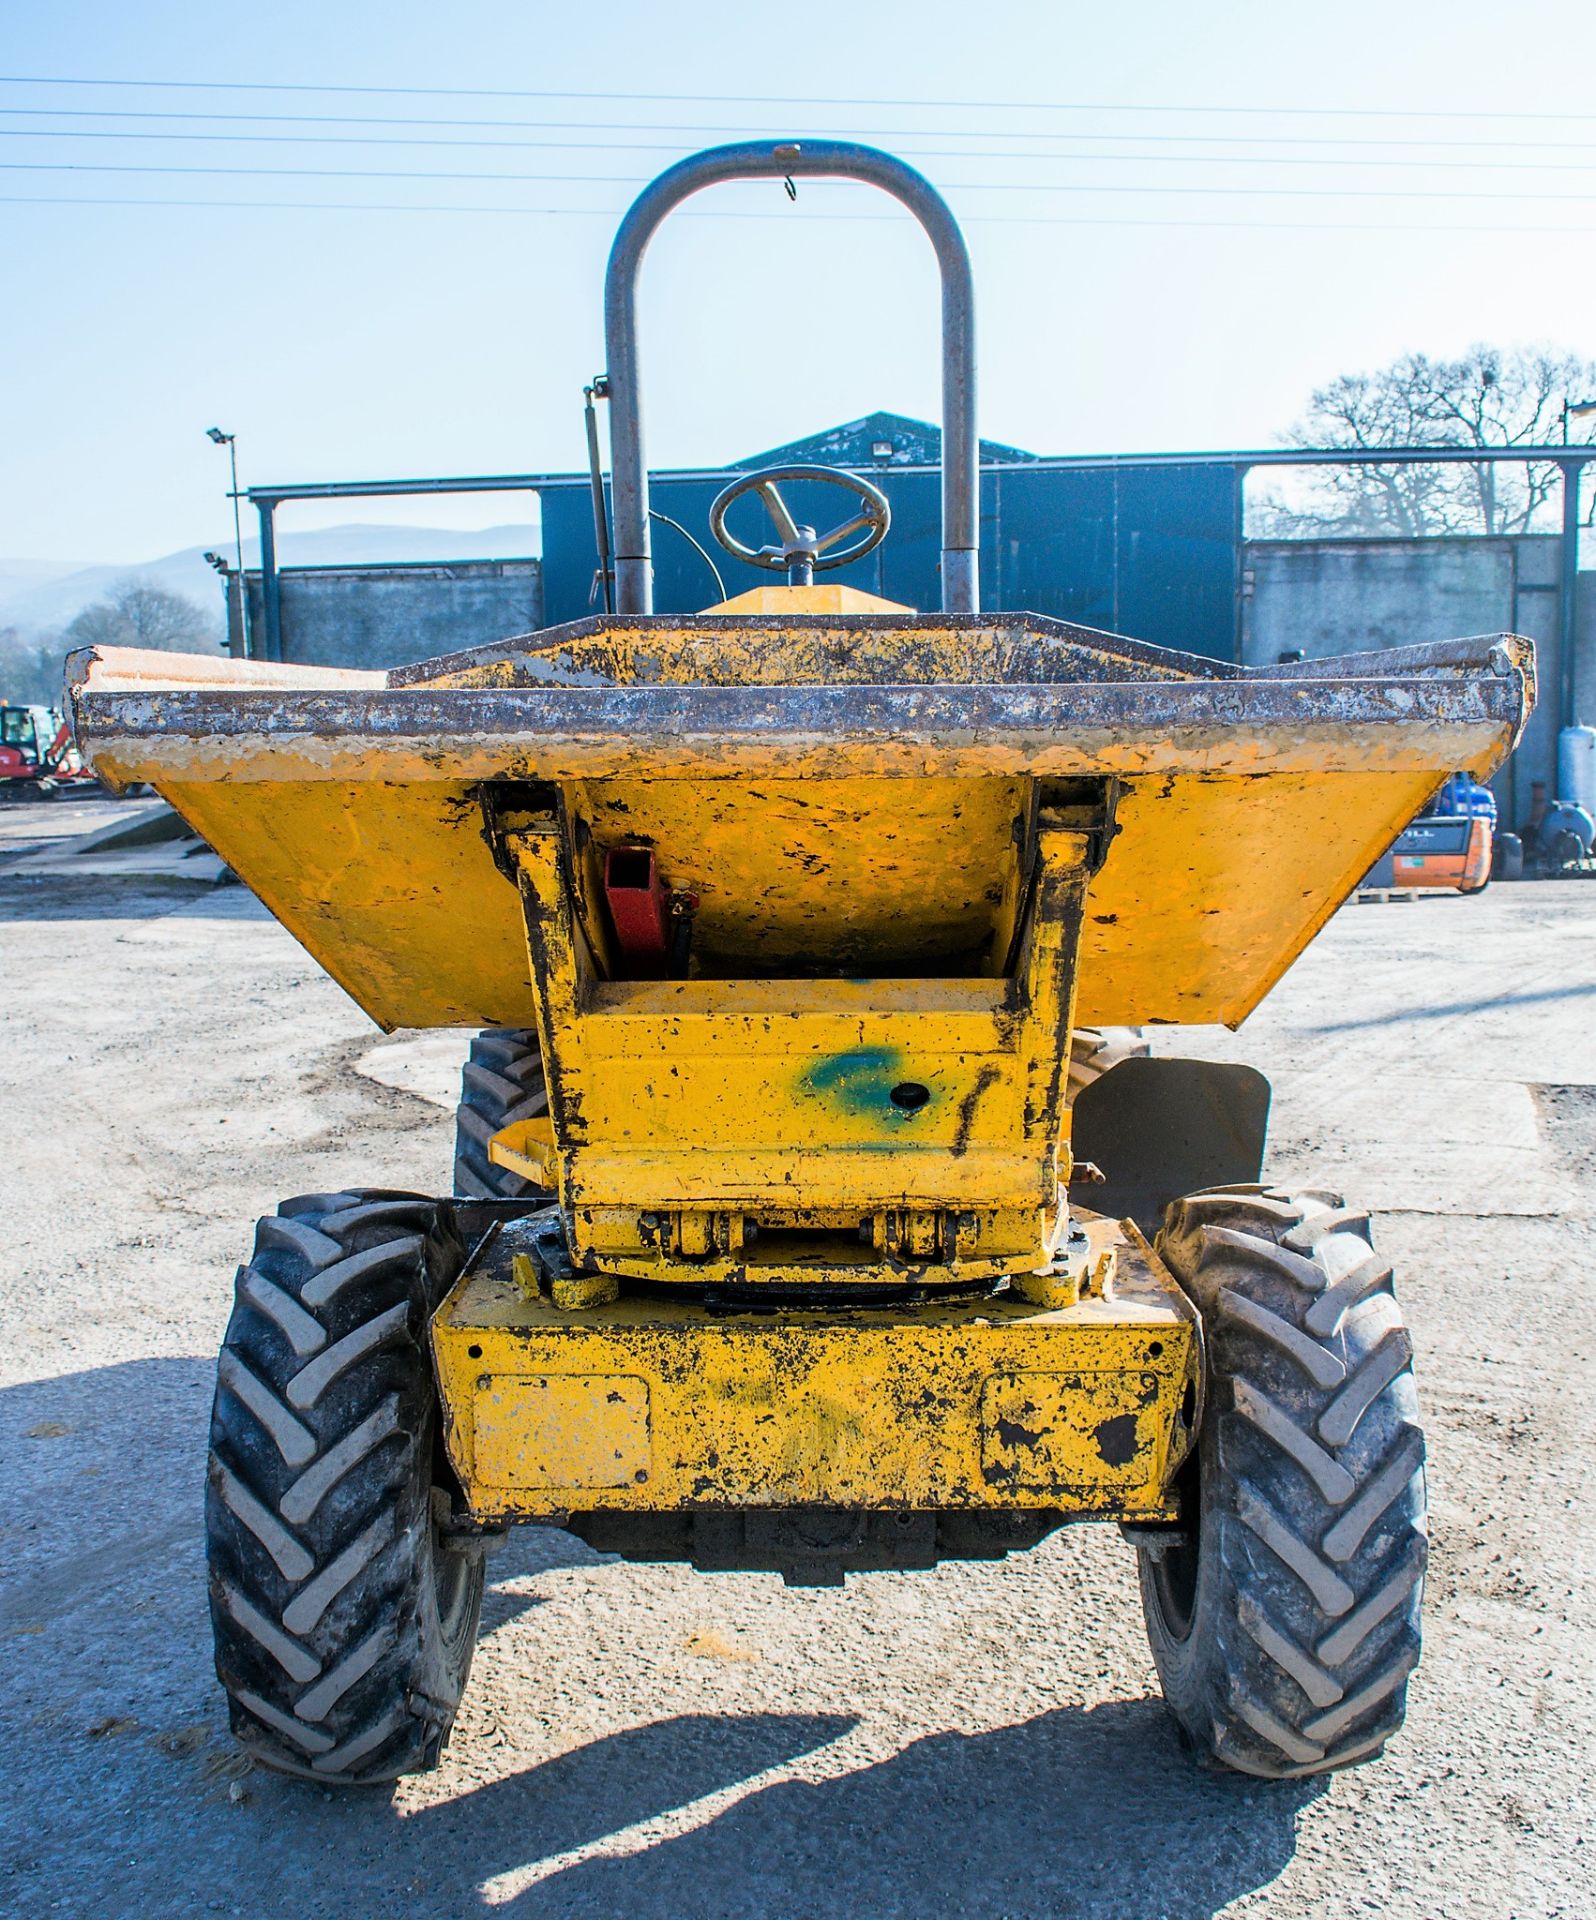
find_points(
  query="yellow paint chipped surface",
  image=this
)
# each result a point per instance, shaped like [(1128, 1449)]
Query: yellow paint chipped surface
[(1210, 890), (661, 1404)]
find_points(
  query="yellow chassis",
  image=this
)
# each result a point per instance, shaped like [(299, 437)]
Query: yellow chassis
[(666, 1403)]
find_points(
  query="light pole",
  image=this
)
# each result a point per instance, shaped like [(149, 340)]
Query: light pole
[(230, 441), (237, 605), (1575, 410)]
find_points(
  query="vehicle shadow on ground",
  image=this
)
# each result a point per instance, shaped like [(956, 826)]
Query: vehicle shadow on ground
[(561, 1805), (103, 1473), (1090, 1813), (1078, 1811), (1082, 1811)]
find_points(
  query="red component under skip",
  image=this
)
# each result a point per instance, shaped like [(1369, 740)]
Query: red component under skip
[(638, 904)]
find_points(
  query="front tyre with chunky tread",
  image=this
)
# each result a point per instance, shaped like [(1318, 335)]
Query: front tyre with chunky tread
[(343, 1598), (1284, 1613)]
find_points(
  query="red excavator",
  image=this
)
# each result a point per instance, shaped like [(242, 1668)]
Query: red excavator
[(37, 754)]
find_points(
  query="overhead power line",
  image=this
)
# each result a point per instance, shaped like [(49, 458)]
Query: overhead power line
[(1516, 228), (795, 100), (698, 128), (914, 153), (635, 180)]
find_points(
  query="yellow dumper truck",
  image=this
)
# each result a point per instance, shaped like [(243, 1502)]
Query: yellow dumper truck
[(786, 1248)]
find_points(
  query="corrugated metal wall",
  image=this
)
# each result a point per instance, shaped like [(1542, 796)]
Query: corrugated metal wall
[(1149, 551)]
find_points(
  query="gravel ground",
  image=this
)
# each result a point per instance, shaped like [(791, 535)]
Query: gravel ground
[(637, 1741)]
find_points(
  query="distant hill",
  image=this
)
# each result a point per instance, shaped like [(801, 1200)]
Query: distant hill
[(41, 596), (21, 577)]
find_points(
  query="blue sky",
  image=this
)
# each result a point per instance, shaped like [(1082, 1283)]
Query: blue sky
[(1416, 175)]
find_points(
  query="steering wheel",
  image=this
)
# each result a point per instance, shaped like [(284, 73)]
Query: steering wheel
[(800, 549)]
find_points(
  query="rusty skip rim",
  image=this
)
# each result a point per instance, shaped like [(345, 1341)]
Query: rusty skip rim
[(1130, 726), (1497, 654)]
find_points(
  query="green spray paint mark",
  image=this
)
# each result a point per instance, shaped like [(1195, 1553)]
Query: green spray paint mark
[(860, 1082)]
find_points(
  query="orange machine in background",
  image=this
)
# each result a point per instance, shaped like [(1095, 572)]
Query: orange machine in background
[(1450, 846)]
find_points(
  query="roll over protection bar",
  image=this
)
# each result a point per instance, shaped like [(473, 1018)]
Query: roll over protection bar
[(780, 160)]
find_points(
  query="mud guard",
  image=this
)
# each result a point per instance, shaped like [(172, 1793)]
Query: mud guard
[(1158, 1129)]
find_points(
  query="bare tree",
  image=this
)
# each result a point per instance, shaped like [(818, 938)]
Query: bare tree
[(135, 614), (30, 670), (1488, 397)]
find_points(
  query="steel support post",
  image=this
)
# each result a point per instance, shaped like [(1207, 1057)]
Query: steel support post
[(1568, 592), (270, 586)]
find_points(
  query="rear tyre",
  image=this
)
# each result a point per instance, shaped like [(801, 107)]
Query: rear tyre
[(502, 1082), (1284, 1612), (343, 1597)]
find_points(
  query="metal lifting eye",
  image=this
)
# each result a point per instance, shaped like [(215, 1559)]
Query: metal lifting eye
[(800, 550)]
